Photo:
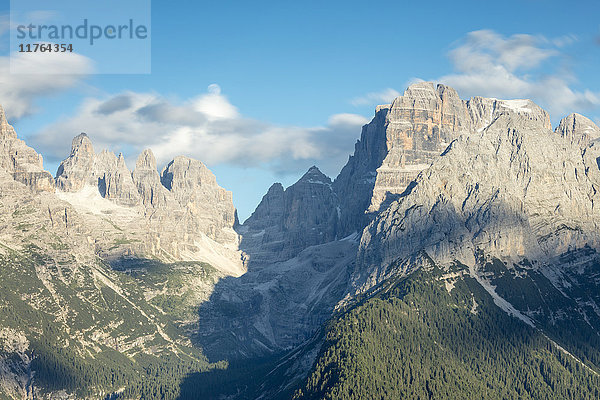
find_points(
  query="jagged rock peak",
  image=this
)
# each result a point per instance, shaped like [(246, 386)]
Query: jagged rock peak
[(6, 130), (405, 137), (578, 129), (314, 175), (269, 211), (121, 164), (105, 171), (395, 146), (419, 89), (172, 225), (147, 180), (195, 187), (82, 144), (275, 188), (422, 96), (146, 160), (515, 191), (484, 110), (21, 161), (184, 173), (288, 221), (427, 91), (119, 184), (75, 171)]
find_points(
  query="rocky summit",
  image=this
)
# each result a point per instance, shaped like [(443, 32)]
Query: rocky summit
[(405, 137), (181, 214), (513, 190), (21, 161), (288, 221)]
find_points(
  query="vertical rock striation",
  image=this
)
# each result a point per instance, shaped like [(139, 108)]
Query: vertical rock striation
[(147, 181), (516, 191), (288, 221), (578, 129), (195, 188), (174, 215), (21, 161), (405, 137)]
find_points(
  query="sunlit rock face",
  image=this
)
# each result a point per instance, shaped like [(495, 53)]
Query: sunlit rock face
[(21, 161), (514, 190), (405, 137), (178, 214)]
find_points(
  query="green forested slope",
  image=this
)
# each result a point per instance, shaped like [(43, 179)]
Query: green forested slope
[(416, 340)]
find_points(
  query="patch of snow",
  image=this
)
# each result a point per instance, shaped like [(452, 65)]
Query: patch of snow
[(89, 200), (517, 105), (499, 301), (226, 260), (318, 182), (353, 237)]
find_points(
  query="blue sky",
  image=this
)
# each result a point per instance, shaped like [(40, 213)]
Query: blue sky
[(274, 87)]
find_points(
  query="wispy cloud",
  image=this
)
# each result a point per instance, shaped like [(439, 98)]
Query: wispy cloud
[(518, 66), (207, 127), (564, 40), (20, 91), (384, 96)]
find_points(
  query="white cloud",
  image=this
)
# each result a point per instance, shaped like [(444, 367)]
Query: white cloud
[(347, 119), (207, 127), (519, 66), (214, 105), (19, 91), (565, 40), (384, 96)]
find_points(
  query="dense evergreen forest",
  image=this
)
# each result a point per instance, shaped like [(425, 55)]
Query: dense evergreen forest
[(416, 340)]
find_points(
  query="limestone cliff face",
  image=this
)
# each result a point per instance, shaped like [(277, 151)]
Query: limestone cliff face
[(401, 141), (195, 188), (21, 161), (118, 185), (297, 273), (105, 171), (483, 111), (147, 180), (288, 221), (75, 171), (355, 183), (514, 190), (578, 129), (181, 214), (405, 137)]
